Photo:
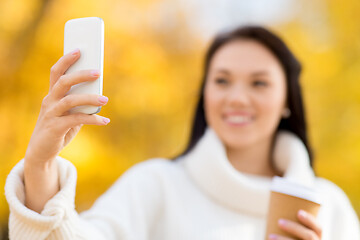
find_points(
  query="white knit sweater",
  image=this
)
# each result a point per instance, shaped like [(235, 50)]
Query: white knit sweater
[(199, 196)]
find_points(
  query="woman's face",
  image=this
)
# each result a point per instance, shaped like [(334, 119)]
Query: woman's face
[(245, 93)]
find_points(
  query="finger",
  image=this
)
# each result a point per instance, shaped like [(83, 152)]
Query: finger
[(310, 221), (70, 121), (278, 237), (297, 230), (73, 100), (60, 67), (65, 82)]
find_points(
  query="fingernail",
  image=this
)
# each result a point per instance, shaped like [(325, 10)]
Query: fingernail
[(272, 237), (282, 222), (75, 52), (95, 73), (106, 120), (302, 213), (103, 99)]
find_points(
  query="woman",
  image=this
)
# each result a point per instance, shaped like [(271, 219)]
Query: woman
[(249, 126)]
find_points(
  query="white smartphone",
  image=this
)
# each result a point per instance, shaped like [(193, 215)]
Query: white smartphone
[(87, 34)]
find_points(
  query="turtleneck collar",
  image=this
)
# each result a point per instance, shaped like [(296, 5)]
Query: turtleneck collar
[(210, 169)]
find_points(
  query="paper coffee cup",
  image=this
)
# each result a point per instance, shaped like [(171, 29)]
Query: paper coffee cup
[(286, 199)]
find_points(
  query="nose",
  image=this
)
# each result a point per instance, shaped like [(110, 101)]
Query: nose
[(238, 96)]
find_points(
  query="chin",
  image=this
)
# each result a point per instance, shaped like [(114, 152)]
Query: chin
[(237, 141)]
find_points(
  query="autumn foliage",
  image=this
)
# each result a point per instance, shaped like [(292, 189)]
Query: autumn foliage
[(152, 74)]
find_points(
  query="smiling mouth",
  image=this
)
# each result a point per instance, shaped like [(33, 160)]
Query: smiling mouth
[(239, 120)]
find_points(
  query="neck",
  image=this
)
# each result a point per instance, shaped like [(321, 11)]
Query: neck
[(253, 160)]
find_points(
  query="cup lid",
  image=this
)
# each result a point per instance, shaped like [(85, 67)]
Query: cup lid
[(286, 186)]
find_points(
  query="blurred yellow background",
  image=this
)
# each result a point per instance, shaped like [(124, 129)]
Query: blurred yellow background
[(153, 60)]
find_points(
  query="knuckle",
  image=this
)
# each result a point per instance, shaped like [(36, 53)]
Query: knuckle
[(54, 69), (48, 113), (62, 81), (45, 102), (66, 101)]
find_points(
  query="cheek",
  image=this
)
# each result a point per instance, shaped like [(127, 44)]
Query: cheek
[(212, 103), (271, 106)]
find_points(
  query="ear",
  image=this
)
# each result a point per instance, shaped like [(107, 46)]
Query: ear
[(286, 113)]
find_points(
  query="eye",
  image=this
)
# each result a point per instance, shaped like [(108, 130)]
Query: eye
[(260, 83), (221, 81)]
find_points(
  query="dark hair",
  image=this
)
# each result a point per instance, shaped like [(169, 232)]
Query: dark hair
[(296, 122)]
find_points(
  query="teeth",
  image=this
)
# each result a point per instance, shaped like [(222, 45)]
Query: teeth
[(238, 119)]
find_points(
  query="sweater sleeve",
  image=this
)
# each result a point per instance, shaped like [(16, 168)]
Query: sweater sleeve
[(124, 212), (347, 222), (341, 218)]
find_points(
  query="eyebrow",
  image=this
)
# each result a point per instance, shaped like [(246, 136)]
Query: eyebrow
[(223, 71), (256, 73), (260, 73)]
